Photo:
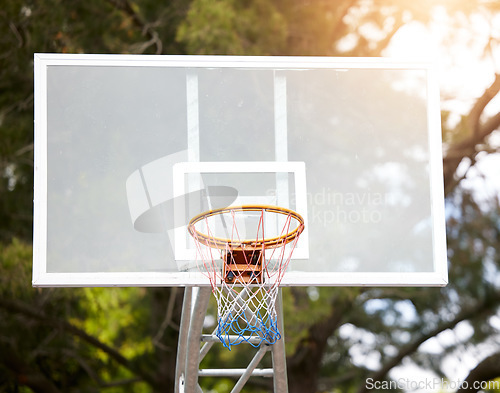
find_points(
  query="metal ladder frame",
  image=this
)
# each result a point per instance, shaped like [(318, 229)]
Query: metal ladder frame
[(189, 354)]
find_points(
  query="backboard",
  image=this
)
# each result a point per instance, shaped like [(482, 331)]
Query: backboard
[(129, 148)]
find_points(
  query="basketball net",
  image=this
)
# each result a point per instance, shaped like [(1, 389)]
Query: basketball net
[(245, 274)]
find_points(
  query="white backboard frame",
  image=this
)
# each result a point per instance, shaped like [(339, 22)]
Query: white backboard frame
[(43, 278)]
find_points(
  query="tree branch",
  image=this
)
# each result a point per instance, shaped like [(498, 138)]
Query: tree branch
[(95, 376), (167, 321), (146, 28), (21, 308), (478, 132), (412, 347), (486, 370)]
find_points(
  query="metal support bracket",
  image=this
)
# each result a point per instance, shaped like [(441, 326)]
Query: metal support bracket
[(190, 355)]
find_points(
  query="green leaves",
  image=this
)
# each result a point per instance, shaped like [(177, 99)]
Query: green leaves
[(233, 27), (15, 270)]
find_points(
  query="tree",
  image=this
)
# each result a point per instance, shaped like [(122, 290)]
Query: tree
[(39, 329), (42, 329)]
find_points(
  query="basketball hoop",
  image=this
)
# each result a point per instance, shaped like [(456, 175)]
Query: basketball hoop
[(245, 271)]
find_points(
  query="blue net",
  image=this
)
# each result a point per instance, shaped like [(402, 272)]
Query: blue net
[(240, 320)]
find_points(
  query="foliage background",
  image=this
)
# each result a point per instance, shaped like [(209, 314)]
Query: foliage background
[(124, 340)]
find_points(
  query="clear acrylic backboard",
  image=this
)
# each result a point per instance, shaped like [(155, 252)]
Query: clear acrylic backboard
[(129, 148)]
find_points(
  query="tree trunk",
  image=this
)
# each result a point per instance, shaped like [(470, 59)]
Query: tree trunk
[(304, 365)]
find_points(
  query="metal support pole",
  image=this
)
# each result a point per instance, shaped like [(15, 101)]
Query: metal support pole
[(183, 337), (278, 352), (194, 339), (250, 369)]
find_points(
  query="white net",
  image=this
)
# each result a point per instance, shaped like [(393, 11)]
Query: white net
[(245, 271)]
